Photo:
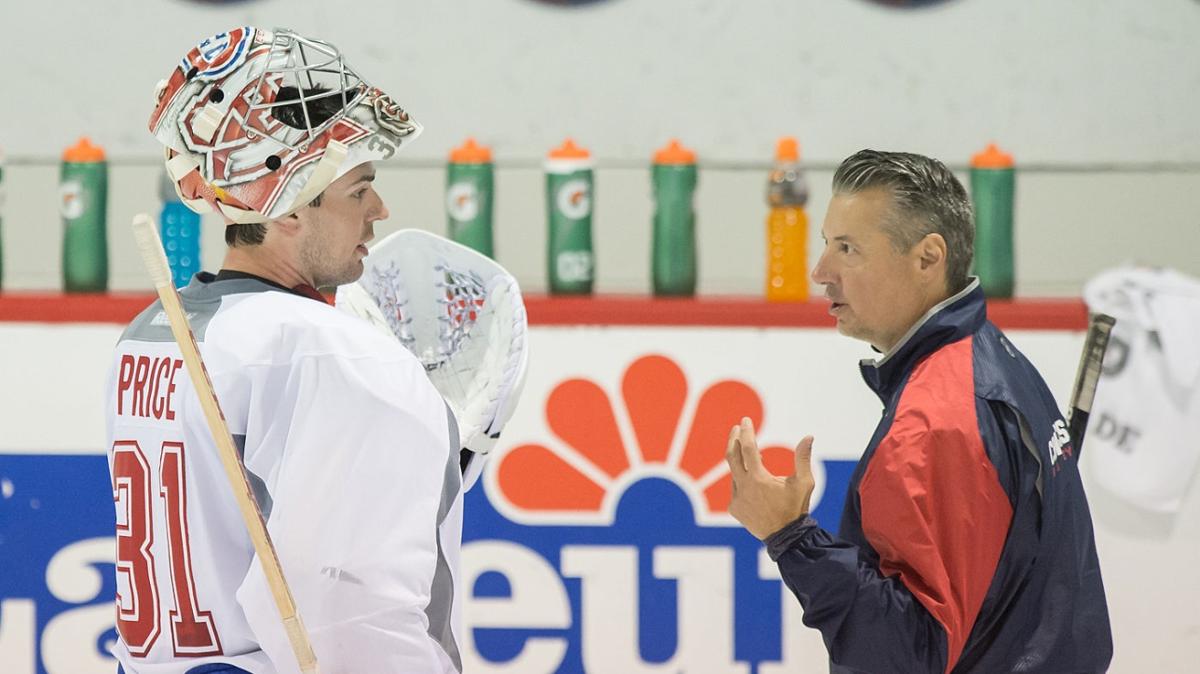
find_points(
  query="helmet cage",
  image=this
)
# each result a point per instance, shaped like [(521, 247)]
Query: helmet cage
[(315, 63), (257, 122)]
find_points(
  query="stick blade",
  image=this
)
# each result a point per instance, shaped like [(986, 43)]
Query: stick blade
[(1088, 375), (150, 248)]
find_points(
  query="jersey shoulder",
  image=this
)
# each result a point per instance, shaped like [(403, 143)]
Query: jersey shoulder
[(268, 327)]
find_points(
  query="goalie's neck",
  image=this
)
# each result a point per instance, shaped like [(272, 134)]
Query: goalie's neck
[(263, 262), (304, 290)]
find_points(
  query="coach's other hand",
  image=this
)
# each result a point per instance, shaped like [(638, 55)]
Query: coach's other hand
[(762, 502)]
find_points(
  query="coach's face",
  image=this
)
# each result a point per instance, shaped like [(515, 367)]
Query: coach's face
[(337, 230), (877, 292)]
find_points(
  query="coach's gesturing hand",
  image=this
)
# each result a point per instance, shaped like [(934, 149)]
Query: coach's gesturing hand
[(762, 502)]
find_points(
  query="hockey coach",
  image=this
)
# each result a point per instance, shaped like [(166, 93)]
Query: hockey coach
[(966, 544)]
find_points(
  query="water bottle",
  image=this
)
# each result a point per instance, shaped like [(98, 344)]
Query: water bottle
[(569, 258), (673, 266), (992, 189), (787, 226), (83, 203), (179, 228), (469, 197)]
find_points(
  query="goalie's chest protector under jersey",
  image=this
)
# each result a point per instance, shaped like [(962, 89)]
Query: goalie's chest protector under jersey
[(354, 461)]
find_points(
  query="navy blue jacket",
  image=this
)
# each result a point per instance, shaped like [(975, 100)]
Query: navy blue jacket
[(966, 543)]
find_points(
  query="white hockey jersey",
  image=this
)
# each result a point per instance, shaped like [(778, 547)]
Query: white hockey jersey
[(1143, 439), (353, 457)]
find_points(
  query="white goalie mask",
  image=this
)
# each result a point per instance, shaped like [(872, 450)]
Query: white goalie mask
[(460, 313), (258, 123)]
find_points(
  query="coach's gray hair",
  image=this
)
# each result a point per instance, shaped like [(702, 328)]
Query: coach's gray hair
[(927, 199)]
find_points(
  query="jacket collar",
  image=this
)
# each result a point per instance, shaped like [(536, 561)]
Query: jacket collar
[(948, 321)]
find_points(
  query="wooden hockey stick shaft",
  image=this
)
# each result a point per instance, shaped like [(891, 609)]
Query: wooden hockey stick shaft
[(1087, 377), (156, 264)]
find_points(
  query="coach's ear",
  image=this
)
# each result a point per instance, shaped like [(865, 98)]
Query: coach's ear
[(930, 254)]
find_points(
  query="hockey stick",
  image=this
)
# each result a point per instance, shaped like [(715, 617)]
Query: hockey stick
[(1087, 377), (160, 273)]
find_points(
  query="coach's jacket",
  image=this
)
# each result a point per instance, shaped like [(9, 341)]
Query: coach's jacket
[(966, 544)]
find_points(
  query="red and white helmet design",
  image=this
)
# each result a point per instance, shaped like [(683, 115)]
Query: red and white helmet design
[(258, 123)]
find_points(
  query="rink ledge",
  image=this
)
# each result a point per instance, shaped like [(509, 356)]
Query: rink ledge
[(1017, 314)]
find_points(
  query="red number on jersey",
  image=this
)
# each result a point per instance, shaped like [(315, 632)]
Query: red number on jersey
[(137, 612), (193, 631)]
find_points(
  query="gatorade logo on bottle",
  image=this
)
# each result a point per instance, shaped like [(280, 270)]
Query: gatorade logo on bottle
[(574, 199), (574, 266), (462, 201), (70, 199)]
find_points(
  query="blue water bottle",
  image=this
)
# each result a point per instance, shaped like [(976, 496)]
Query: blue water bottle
[(179, 227)]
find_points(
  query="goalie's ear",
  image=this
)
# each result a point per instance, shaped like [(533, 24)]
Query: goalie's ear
[(289, 225)]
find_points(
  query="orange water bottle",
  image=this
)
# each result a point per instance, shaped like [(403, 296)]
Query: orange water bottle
[(787, 226)]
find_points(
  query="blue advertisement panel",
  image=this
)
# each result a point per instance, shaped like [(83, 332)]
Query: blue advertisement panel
[(596, 540), (671, 584), (56, 552), (653, 588)]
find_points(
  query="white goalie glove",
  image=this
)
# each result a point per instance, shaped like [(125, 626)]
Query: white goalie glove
[(460, 313)]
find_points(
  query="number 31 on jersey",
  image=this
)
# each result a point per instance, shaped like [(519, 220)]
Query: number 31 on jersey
[(193, 632)]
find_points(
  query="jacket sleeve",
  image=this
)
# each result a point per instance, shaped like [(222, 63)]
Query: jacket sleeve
[(362, 447), (936, 515)]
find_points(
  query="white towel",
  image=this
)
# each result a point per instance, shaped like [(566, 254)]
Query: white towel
[(1143, 439)]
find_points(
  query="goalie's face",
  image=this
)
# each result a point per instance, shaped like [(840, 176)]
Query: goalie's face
[(337, 230)]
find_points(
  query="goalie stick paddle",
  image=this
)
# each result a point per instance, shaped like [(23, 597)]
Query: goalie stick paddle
[(160, 273), (1087, 377)]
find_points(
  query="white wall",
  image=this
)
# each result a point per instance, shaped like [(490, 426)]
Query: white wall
[(1063, 82), (1095, 99)]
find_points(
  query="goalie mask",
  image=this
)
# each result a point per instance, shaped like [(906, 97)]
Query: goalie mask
[(258, 123)]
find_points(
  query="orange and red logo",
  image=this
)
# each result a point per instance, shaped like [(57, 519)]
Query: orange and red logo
[(660, 429)]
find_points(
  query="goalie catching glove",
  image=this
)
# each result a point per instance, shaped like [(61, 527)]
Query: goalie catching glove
[(460, 313)]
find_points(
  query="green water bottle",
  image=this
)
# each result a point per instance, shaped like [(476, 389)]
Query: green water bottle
[(993, 181), (569, 258), (469, 197), (83, 202), (673, 266)]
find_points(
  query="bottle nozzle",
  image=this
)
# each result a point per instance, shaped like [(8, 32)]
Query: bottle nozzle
[(471, 152), (992, 157), (674, 153), (84, 152), (569, 150), (787, 149)]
